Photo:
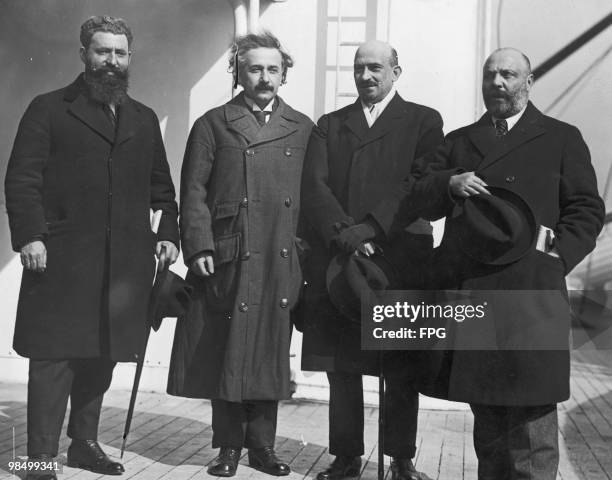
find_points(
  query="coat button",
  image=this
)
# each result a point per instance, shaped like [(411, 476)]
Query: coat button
[(246, 255), (250, 152), (245, 202), (243, 307), (510, 178), (288, 152), (284, 253), (288, 202), (284, 303)]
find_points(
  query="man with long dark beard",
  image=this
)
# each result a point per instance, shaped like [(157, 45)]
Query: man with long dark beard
[(87, 166)]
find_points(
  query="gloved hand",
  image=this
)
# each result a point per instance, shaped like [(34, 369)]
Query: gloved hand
[(350, 238)]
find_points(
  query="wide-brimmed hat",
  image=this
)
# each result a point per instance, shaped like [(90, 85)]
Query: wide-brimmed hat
[(170, 297), (353, 277), (495, 229)]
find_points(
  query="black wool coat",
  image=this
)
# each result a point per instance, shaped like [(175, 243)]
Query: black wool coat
[(86, 191), (547, 163), (352, 174)]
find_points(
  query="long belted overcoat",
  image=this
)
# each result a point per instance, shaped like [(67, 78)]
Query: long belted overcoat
[(86, 190), (240, 198), (547, 163)]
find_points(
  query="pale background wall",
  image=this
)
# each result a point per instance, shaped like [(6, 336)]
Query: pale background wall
[(179, 69)]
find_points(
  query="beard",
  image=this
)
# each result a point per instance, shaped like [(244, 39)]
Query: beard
[(106, 88), (504, 105)]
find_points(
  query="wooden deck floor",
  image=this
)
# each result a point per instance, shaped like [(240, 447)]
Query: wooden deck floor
[(171, 436)]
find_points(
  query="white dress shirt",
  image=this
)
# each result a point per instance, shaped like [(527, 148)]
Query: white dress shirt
[(511, 121), (267, 109), (375, 110)]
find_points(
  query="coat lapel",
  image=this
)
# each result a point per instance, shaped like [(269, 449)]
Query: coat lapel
[(127, 121), (355, 121), (240, 120), (386, 121), (283, 122), (88, 111), (482, 135), (527, 128)]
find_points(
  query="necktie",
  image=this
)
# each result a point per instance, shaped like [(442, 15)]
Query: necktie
[(260, 116), (501, 127), (110, 115)]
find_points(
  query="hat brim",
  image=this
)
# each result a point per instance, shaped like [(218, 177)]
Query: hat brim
[(477, 250)]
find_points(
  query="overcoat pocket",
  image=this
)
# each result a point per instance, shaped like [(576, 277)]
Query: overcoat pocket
[(220, 287)]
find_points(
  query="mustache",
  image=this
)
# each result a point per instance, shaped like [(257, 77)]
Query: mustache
[(103, 71), (264, 87), (367, 84), (498, 94)]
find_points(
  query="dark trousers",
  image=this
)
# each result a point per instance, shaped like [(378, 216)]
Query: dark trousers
[(346, 414), (50, 384), (516, 443), (250, 424)]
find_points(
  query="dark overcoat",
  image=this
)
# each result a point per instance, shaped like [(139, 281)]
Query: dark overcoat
[(354, 173), (86, 191), (548, 164), (240, 200)]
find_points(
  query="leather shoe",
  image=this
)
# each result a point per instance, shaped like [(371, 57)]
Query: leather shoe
[(403, 469), (265, 460), (41, 474), (88, 455), (341, 467), (226, 463)]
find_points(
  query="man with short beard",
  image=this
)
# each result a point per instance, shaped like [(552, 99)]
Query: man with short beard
[(516, 153), (87, 165)]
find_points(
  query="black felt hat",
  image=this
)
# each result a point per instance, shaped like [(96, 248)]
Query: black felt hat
[(170, 297), (353, 277), (495, 229)]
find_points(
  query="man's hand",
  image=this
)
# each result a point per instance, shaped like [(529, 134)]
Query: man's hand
[(167, 253), (466, 184), (34, 256), (366, 249), (203, 265), (351, 238)]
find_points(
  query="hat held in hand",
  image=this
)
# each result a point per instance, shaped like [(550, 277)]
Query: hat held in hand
[(351, 277), (495, 229), (170, 297)]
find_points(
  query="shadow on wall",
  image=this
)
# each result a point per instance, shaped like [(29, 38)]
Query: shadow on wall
[(175, 44)]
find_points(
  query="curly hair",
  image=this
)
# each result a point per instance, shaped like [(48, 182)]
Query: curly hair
[(104, 23), (251, 41)]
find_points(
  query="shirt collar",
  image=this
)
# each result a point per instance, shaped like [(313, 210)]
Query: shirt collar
[(375, 110), (380, 106), (253, 106), (511, 120)]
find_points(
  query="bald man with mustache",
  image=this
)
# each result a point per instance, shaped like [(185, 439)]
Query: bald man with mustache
[(353, 183)]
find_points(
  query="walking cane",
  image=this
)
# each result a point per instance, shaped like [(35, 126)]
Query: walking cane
[(381, 418), (155, 219)]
